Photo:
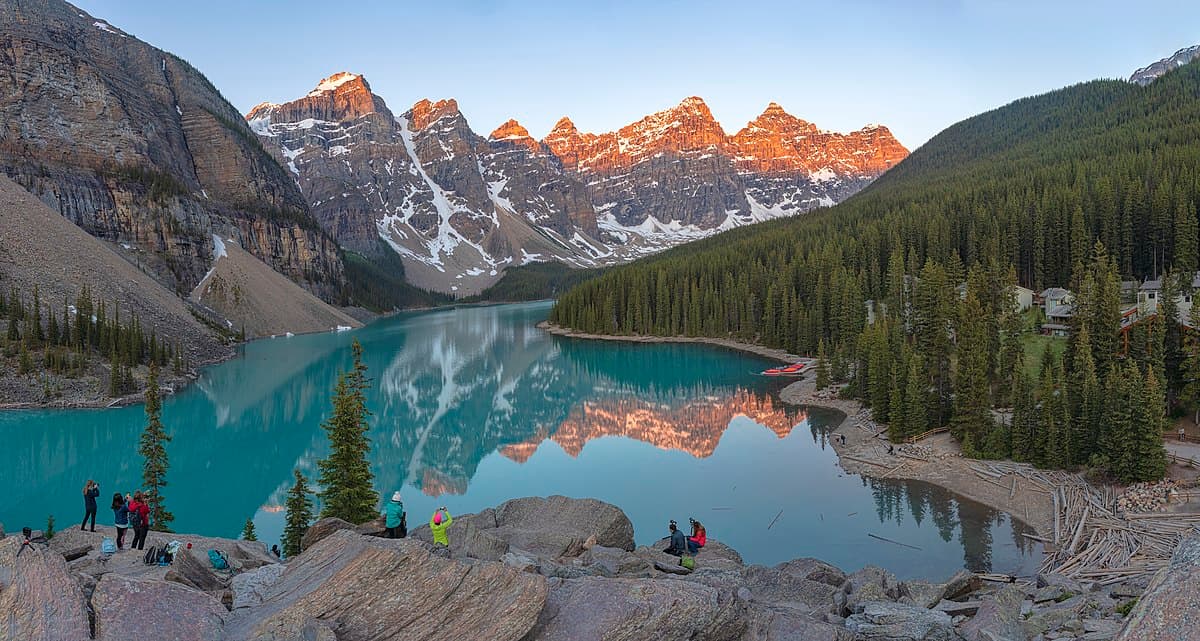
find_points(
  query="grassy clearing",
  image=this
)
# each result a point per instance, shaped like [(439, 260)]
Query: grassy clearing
[(1036, 345)]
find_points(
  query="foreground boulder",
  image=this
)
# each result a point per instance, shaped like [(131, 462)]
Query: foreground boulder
[(881, 621), (127, 608), (321, 529), (1169, 610), (998, 617), (39, 599), (550, 528), (594, 608), (368, 588)]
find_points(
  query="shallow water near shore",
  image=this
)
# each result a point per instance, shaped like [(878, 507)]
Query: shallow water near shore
[(474, 406)]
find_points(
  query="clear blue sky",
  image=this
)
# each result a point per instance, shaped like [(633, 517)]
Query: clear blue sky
[(914, 66)]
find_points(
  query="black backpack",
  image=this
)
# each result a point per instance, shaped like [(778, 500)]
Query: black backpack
[(134, 518), (151, 556), (403, 525)]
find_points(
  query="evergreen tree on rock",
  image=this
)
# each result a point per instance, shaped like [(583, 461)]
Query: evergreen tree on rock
[(248, 532), (347, 484), (153, 448), (299, 514)]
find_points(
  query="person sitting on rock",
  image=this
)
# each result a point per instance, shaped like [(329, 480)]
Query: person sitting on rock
[(438, 524), (275, 551), (698, 538), (393, 514), (678, 544)]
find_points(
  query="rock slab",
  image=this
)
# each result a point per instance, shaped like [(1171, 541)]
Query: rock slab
[(368, 588), (39, 599), (127, 608), (1169, 610)]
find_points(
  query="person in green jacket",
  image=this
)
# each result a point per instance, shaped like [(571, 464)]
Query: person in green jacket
[(394, 521), (438, 524)]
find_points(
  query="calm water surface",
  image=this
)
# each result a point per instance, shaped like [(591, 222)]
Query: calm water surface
[(475, 406)]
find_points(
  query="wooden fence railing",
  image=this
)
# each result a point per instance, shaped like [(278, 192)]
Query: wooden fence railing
[(924, 435)]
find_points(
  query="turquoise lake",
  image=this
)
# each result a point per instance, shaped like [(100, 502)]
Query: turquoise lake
[(474, 406)]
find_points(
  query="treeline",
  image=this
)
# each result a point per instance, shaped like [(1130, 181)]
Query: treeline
[(535, 281), (1098, 181), (66, 340), (378, 283)]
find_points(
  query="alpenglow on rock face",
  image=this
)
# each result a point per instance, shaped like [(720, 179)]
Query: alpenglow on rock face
[(1150, 73), (460, 208)]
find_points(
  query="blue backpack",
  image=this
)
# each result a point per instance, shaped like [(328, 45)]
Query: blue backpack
[(107, 546), (218, 560)]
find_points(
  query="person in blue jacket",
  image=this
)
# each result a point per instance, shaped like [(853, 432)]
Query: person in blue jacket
[(394, 518), (120, 518)]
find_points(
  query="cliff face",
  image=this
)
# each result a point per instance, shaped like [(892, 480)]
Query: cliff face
[(133, 144), (460, 208)]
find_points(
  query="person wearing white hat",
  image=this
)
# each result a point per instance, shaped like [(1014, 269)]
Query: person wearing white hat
[(394, 518)]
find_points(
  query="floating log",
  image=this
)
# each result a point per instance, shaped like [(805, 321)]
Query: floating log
[(775, 519), (876, 536)]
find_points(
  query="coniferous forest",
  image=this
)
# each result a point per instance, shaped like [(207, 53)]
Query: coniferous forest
[(1079, 188)]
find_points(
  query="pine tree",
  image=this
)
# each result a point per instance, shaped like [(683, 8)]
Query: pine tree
[(298, 515), (153, 449), (1084, 399), (1190, 367), (972, 422), (1024, 424), (1147, 459), (345, 476), (915, 421), (822, 380), (248, 533)]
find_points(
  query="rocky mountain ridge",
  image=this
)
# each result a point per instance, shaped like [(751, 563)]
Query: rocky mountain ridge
[(1152, 72), (459, 208), (134, 145)]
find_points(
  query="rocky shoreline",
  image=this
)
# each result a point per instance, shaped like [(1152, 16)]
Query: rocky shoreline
[(543, 569)]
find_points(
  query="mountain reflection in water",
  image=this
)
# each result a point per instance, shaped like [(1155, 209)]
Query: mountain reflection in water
[(473, 406)]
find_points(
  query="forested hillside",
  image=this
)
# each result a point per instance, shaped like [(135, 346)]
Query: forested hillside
[(1080, 188), (1031, 184)]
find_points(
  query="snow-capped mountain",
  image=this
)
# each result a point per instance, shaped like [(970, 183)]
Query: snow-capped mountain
[(460, 208), (1150, 73)]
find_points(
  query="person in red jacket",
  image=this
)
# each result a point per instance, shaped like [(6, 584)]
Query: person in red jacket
[(139, 520), (698, 538)]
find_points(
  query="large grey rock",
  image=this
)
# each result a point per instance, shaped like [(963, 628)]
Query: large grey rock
[(188, 569), (368, 588), (593, 608), (783, 589), (961, 584), (998, 617), (39, 599), (618, 562), (872, 584), (1169, 610), (127, 608), (249, 587), (548, 528), (772, 625), (813, 570), (73, 543), (576, 518), (883, 621), (321, 529)]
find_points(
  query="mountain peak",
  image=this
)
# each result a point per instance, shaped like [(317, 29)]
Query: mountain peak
[(332, 83), (511, 129), (773, 107), (564, 126), (426, 112), (1152, 72)]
